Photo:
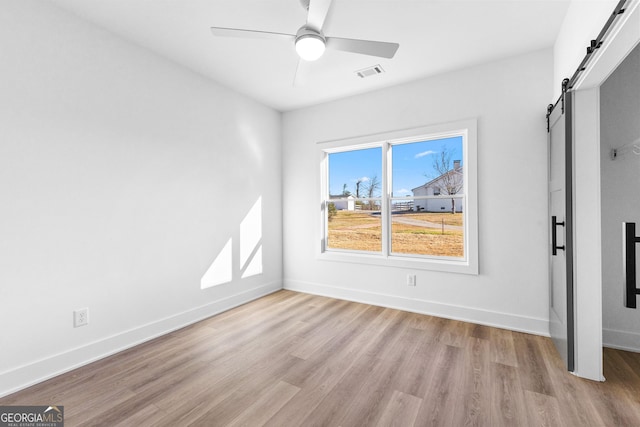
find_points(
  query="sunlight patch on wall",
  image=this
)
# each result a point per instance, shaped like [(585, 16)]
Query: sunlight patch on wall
[(255, 265), (250, 241), (221, 270), (248, 249)]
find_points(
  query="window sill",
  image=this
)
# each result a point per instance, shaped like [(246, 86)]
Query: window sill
[(431, 264)]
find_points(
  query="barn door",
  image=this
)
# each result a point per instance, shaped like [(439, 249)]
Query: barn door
[(561, 325)]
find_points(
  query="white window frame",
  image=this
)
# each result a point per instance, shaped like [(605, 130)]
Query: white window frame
[(467, 264)]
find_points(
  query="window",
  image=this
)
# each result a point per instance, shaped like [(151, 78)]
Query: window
[(405, 199)]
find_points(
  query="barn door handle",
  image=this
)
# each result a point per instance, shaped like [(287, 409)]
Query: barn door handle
[(554, 235), (629, 240)]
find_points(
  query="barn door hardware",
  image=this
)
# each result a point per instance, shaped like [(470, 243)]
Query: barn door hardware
[(629, 241), (551, 107), (594, 45), (554, 235), (565, 85), (549, 111)]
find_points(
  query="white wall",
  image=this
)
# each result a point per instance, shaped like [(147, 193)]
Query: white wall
[(582, 23), (122, 176), (512, 288), (620, 180)]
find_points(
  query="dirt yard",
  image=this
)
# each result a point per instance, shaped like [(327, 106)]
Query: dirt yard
[(361, 230)]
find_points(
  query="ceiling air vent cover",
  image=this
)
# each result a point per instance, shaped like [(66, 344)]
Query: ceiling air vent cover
[(370, 71)]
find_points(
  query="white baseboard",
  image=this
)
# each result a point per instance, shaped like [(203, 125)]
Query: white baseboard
[(41, 370), (621, 340), (483, 317)]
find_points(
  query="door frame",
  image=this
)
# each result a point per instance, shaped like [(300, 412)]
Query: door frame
[(587, 226)]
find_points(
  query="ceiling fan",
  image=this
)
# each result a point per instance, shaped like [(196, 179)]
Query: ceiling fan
[(310, 42)]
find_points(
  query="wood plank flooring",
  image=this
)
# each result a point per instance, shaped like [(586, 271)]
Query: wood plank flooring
[(293, 359)]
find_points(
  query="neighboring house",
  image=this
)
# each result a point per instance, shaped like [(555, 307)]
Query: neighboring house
[(342, 203), (449, 183)]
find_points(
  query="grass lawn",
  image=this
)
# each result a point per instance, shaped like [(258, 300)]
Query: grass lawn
[(360, 230), (356, 230), (449, 218)]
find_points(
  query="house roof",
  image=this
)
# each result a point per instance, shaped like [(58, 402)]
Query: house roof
[(433, 181)]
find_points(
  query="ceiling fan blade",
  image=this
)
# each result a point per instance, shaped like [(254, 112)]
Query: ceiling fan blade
[(239, 32), (365, 47), (318, 10), (302, 73)]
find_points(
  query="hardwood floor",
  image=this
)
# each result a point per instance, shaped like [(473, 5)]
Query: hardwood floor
[(292, 359)]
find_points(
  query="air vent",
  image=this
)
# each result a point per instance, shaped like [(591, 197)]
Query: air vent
[(370, 71)]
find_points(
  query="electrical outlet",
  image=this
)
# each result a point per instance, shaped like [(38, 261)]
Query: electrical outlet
[(411, 279), (80, 317)]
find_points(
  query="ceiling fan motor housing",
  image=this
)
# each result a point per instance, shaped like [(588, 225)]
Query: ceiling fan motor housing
[(304, 31)]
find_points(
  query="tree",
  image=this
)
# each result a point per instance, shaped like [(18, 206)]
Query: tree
[(345, 192), (371, 189), (450, 176), (331, 211), (358, 183)]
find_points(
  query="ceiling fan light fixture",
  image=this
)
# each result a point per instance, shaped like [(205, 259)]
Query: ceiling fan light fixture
[(310, 46)]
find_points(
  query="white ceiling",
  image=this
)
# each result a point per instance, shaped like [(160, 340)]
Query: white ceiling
[(434, 37)]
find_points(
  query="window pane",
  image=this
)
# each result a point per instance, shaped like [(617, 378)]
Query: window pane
[(360, 229), (355, 185), (432, 223), (357, 173), (427, 168), (427, 233)]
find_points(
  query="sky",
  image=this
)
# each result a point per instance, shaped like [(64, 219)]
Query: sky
[(412, 165)]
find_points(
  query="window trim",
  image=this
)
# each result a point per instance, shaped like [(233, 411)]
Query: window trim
[(468, 265)]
